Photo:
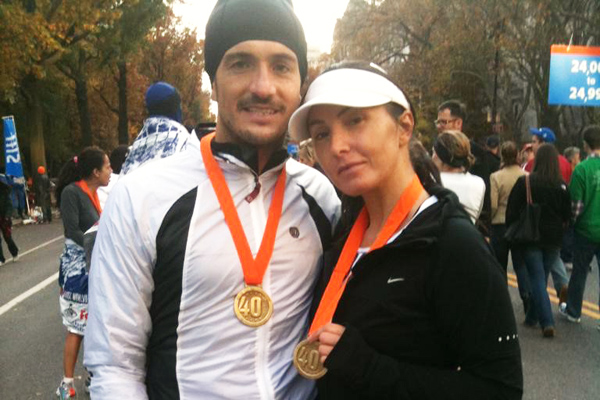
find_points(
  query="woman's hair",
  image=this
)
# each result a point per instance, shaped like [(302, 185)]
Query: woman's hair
[(80, 167), (395, 110), (509, 154), (307, 152), (545, 166), (454, 149)]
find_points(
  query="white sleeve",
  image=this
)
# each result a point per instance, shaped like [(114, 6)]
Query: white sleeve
[(120, 293)]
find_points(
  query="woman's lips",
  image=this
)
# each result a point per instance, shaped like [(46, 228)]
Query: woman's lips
[(348, 167)]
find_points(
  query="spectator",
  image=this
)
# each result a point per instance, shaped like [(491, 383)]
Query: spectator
[(162, 134), (451, 116), (546, 135), (6, 223), (550, 192), (452, 155), (585, 195), (42, 187), (502, 183)]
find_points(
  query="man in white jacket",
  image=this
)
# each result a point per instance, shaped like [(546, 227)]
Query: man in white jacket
[(205, 261)]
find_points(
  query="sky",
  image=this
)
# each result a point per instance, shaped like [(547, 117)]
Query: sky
[(318, 17)]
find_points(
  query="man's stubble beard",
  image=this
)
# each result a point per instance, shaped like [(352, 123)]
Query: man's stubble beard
[(243, 136)]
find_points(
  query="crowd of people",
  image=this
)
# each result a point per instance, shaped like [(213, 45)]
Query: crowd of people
[(211, 264)]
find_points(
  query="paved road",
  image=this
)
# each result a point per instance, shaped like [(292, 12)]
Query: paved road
[(31, 334)]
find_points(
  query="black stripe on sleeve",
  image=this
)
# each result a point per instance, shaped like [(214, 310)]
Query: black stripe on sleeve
[(321, 221)]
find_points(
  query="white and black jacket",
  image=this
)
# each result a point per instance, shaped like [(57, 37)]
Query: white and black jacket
[(165, 273)]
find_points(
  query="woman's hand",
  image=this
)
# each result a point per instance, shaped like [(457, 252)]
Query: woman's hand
[(328, 336)]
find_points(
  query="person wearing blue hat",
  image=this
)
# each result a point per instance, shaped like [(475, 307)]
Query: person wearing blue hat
[(163, 133), (546, 135)]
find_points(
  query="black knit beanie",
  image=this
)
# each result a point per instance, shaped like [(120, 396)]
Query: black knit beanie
[(235, 21)]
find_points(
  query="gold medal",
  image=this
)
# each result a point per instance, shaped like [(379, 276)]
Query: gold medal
[(308, 361), (253, 306)]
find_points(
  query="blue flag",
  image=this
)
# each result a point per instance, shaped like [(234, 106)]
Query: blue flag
[(11, 149)]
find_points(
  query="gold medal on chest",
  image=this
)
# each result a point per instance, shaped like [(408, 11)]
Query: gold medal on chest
[(253, 306), (307, 360)]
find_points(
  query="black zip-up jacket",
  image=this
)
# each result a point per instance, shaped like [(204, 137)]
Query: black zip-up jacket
[(427, 316), (555, 204)]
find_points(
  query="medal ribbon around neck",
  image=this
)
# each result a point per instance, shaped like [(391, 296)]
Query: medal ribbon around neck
[(253, 268), (306, 354), (93, 197), (337, 283)]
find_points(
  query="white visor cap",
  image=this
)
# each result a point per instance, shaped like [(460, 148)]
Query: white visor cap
[(347, 87)]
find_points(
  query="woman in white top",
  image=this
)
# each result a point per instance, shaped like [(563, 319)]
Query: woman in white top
[(452, 155)]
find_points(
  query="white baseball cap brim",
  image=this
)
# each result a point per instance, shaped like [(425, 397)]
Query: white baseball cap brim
[(346, 87)]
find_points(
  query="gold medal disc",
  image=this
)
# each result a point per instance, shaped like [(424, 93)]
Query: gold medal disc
[(253, 306), (307, 360)]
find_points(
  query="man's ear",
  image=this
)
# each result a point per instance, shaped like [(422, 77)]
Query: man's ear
[(460, 124), (213, 94)]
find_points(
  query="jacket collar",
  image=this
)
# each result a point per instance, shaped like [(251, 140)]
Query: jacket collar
[(249, 156)]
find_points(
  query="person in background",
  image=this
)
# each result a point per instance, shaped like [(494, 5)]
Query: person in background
[(18, 195), (492, 147), (502, 183), (424, 303), (452, 115), (452, 155), (526, 155), (6, 223), (78, 182), (573, 155), (42, 187), (546, 135), (117, 157), (549, 191), (163, 133), (585, 197)]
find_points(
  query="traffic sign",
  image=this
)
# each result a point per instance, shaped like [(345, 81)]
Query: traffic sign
[(574, 76)]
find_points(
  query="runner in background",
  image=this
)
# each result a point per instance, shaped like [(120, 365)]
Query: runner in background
[(80, 208)]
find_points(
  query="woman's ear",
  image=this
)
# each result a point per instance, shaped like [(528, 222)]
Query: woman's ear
[(406, 122)]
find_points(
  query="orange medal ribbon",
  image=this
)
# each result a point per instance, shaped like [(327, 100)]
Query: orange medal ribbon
[(254, 269), (339, 278), (93, 197)]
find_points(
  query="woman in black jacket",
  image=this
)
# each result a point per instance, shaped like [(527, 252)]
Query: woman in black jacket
[(550, 192), (415, 306)]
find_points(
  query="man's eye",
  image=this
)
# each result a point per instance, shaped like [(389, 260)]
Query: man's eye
[(239, 65), (282, 68)]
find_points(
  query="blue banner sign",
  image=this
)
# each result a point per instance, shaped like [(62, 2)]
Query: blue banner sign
[(11, 149), (574, 76)]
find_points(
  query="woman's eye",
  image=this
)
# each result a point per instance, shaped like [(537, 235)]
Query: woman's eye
[(319, 135)]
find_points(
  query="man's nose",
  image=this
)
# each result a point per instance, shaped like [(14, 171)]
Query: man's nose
[(263, 83)]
